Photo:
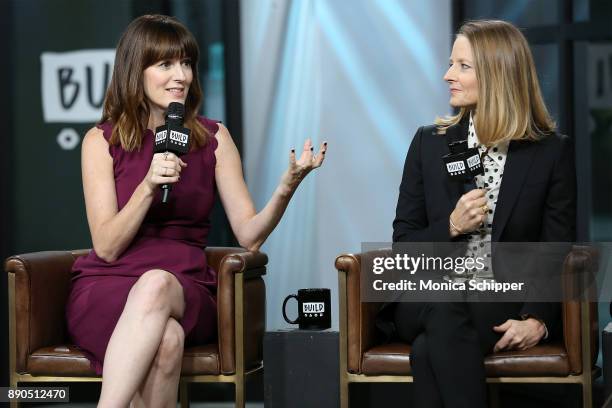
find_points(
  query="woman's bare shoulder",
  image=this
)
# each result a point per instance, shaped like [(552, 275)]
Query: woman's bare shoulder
[(94, 140)]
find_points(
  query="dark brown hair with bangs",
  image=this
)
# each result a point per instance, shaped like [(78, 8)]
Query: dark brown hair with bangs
[(147, 40)]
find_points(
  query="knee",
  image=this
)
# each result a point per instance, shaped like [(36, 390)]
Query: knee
[(419, 349), (447, 309), (450, 323), (154, 289), (169, 355), (447, 317)]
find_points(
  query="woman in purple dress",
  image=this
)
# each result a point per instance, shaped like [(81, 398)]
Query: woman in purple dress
[(145, 290)]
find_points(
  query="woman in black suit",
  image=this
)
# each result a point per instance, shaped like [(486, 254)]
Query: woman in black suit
[(527, 194)]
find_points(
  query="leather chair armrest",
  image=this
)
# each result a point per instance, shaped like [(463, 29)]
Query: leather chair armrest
[(214, 255), (578, 271), (42, 284), (360, 316), (236, 263)]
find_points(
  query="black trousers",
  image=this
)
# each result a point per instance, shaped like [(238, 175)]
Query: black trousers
[(449, 342)]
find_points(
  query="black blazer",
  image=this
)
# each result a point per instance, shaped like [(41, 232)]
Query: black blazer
[(536, 202)]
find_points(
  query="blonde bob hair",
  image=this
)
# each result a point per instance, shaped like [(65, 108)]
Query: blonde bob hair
[(147, 40), (510, 105)]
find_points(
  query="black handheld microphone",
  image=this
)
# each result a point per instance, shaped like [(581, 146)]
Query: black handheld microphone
[(172, 137), (462, 164)]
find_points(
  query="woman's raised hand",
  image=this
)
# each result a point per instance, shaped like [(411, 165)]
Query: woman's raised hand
[(298, 169), (469, 213), (165, 169)]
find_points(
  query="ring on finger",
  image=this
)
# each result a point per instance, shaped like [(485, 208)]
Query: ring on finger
[(485, 209)]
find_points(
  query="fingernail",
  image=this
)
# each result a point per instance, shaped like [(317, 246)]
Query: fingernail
[(325, 144)]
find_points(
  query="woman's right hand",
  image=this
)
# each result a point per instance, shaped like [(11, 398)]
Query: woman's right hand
[(165, 169), (469, 213)]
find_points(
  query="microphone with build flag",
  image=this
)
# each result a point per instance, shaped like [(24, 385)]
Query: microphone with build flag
[(462, 164), (172, 137)]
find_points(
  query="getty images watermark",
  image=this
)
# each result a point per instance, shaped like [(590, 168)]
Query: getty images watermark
[(461, 273), (504, 272)]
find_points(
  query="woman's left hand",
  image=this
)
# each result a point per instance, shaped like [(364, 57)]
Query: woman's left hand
[(519, 334), (308, 161)]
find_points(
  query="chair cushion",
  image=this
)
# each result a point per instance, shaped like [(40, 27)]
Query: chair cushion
[(201, 360), (541, 360), (68, 360), (387, 359), (58, 361)]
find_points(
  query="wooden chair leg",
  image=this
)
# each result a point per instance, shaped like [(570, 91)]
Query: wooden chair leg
[(240, 400), (184, 394), (14, 383), (344, 392), (587, 392)]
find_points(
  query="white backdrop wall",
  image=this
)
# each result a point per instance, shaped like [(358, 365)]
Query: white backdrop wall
[(361, 74)]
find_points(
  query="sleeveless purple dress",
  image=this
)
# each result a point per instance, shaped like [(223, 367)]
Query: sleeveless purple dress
[(172, 237)]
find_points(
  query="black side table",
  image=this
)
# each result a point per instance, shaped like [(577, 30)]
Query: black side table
[(301, 369)]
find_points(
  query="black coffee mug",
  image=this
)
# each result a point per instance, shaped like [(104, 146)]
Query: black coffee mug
[(314, 309)]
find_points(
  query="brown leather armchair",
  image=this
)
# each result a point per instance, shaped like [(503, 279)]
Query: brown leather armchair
[(40, 351), (568, 361)]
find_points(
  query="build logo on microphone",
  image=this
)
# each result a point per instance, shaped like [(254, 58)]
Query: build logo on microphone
[(179, 137), (456, 167), (161, 136)]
